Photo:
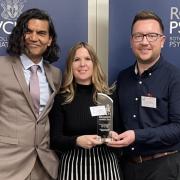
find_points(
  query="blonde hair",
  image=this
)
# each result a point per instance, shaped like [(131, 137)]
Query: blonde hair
[(98, 77)]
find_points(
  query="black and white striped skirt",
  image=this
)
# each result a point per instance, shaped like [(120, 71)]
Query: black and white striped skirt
[(98, 163)]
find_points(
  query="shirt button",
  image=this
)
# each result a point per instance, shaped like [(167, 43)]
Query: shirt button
[(134, 116), (132, 148), (140, 82), (150, 74), (136, 99)]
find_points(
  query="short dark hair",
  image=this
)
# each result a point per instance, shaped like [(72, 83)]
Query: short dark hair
[(143, 15), (16, 38)]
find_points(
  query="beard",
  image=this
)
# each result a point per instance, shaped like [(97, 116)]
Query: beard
[(149, 61)]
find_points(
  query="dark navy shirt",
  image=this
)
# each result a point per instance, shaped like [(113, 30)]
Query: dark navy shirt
[(156, 129)]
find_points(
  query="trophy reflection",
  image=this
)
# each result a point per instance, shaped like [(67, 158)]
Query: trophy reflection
[(105, 122)]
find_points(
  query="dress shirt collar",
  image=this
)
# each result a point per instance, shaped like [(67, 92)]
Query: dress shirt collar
[(27, 63)]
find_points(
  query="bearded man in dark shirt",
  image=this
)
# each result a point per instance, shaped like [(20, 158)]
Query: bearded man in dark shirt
[(148, 95)]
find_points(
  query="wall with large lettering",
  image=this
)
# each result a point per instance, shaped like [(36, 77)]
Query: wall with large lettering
[(70, 19), (121, 16)]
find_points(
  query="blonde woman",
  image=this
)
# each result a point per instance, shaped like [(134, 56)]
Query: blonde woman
[(73, 128)]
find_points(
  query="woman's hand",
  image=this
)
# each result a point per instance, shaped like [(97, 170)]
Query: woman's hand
[(88, 141)]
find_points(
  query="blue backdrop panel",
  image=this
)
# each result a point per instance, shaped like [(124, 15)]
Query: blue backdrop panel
[(121, 16), (70, 19)]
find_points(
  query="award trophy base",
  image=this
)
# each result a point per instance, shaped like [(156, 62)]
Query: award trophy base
[(104, 140)]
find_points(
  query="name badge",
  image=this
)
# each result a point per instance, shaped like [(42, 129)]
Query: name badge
[(98, 110), (147, 101)]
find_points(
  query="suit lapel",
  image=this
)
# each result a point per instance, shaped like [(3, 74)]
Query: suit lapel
[(17, 67), (48, 73), (49, 77)]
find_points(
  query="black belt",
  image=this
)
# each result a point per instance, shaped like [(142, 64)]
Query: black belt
[(140, 159)]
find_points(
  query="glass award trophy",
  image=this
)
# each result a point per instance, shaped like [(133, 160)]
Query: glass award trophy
[(105, 122)]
